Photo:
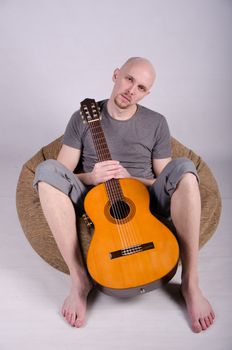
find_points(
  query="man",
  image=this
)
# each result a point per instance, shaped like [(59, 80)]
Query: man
[(140, 143)]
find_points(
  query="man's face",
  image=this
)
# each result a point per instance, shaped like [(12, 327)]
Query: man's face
[(132, 84)]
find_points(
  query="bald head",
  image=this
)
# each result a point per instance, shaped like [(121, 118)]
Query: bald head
[(144, 65)]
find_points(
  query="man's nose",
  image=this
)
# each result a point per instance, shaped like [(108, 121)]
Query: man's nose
[(131, 89)]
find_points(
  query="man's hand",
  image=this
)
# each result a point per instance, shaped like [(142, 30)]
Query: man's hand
[(104, 171), (107, 170)]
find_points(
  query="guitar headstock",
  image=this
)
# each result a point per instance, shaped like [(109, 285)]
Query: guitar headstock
[(90, 111)]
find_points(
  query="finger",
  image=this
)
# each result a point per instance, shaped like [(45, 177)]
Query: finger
[(122, 173), (111, 170), (107, 162), (107, 178), (119, 176), (101, 172), (105, 168)]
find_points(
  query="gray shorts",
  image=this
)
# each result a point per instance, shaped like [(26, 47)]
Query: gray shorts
[(54, 173)]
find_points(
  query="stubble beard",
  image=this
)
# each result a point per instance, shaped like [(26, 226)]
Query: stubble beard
[(120, 104)]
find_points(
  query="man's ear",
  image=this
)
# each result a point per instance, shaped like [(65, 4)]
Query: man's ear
[(115, 75)]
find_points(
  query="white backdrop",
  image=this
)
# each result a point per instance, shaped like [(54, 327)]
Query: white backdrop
[(54, 53)]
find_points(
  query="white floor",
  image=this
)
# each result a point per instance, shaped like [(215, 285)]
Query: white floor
[(32, 292)]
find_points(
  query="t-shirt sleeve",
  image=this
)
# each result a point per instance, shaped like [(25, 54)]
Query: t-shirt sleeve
[(162, 145), (72, 134)]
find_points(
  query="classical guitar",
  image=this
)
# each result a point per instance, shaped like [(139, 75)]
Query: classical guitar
[(131, 252)]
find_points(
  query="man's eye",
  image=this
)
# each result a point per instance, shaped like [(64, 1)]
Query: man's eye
[(141, 88), (130, 78)]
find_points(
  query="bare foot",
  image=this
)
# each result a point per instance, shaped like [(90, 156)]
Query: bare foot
[(199, 310), (74, 307)]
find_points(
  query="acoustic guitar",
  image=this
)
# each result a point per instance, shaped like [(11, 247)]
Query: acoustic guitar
[(131, 251)]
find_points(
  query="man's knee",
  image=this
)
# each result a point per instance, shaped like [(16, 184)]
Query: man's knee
[(44, 173), (189, 178), (185, 169), (52, 173), (47, 166)]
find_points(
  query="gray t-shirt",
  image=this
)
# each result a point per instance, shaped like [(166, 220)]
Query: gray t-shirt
[(133, 142)]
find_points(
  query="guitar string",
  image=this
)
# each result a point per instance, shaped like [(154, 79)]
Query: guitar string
[(108, 186), (98, 148), (128, 226), (120, 210), (130, 229)]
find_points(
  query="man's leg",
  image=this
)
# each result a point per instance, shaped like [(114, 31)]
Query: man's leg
[(175, 195), (59, 212), (186, 213)]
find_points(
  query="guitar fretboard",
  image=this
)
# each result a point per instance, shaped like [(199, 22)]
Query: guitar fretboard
[(113, 187)]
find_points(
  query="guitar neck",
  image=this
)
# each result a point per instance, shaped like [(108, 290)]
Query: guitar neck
[(113, 187), (90, 114), (99, 141)]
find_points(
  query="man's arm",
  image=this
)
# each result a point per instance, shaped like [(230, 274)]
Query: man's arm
[(146, 182), (160, 164), (69, 157)]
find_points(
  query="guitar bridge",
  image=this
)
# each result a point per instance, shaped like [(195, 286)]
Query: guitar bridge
[(131, 250)]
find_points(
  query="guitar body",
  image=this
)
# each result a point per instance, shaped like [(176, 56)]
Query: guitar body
[(131, 252)]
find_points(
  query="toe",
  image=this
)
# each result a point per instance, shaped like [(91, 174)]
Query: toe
[(210, 319), (212, 314), (67, 315), (203, 324), (79, 323), (70, 318), (73, 319), (196, 327), (207, 322)]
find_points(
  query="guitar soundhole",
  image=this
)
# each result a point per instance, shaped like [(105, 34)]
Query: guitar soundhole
[(119, 210)]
